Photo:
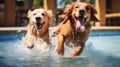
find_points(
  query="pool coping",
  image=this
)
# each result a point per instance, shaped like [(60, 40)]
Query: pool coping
[(94, 28), (12, 28), (106, 28)]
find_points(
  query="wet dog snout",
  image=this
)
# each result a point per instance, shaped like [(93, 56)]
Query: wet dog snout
[(38, 19), (82, 12)]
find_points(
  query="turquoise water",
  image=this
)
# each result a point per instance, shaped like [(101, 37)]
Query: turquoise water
[(102, 50)]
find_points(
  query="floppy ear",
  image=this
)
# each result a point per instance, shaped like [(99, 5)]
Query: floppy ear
[(50, 15), (29, 13), (69, 9), (93, 12), (68, 12), (49, 12)]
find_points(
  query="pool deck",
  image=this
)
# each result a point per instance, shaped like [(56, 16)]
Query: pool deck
[(93, 28)]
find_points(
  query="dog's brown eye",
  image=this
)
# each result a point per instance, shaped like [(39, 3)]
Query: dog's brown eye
[(76, 7), (34, 14), (43, 14)]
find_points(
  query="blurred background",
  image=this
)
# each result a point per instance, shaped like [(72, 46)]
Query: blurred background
[(13, 13)]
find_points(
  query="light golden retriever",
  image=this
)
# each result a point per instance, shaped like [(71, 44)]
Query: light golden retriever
[(75, 27), (38, 29)]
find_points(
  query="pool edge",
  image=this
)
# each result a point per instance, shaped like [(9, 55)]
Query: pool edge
[(93, 28)]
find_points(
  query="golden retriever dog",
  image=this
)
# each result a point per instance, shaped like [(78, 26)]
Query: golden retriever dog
[(38, 29), (75, 27)]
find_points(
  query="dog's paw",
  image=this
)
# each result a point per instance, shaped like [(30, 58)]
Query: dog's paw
[(30, 45), (73, 54), (60, 51)]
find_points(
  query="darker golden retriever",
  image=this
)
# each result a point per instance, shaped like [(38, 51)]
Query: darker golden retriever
[(38, 29), (75, 27)]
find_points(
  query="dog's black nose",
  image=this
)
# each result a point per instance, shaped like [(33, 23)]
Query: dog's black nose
[(82, 12), (38, 19)]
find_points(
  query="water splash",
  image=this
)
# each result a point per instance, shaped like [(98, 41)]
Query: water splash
[(98, 52)]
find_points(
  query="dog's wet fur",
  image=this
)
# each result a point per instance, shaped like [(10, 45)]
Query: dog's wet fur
[(74, 24), (38, 28), (75, 27)]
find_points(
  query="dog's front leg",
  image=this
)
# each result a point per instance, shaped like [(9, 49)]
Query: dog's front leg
[(60, 47), (78, 50), (28, 41)]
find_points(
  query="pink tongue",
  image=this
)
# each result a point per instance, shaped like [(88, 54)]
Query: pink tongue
[(79, 26)]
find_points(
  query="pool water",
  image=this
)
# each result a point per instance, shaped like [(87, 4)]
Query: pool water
[(102, 50)]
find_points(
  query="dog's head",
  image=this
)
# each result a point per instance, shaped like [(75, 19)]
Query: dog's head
[(39, 17), (82, 13)]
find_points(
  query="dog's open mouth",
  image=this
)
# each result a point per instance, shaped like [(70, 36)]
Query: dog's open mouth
[(39, 25), (80, 21)]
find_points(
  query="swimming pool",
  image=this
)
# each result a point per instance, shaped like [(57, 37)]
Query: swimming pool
[(102, 50)]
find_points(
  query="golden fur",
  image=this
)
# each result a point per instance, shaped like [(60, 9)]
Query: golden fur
[(38, 29), (75, 27)]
